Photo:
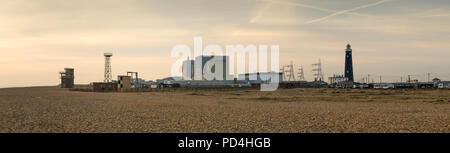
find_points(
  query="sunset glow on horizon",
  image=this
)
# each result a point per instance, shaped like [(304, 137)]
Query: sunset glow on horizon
[(390, 38)]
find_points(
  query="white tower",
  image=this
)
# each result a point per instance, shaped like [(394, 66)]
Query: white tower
[(108, 74)]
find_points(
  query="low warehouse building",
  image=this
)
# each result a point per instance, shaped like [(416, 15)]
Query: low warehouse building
[(424, 85), (383, 86), (404, 85), (444, 85), (105, 87)]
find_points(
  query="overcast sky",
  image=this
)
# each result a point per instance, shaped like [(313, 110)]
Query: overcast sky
[(392, 38)]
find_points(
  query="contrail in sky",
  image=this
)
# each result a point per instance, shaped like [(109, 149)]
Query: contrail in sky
[(287, 2), (261, 12), (347, 11)]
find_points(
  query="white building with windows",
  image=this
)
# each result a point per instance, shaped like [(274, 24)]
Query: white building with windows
[(444, 85)]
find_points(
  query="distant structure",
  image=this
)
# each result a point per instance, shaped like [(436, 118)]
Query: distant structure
[(194, 68), (336, 79), (261, 77), (67, 78), (108, 74), (124, 82), (349, 63), (188, 69), (210, 63), (301, 74), (108, 85), (317, 69), (135, 80), (340, 81), (105, 86), (288, 72)]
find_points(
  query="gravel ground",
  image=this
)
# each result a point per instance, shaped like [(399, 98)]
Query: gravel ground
[(50, 109)]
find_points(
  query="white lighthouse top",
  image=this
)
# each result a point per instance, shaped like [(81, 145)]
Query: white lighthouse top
[(108, 54)]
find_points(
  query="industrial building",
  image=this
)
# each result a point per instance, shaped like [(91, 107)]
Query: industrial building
[(340, 81), (201, 84), (105, 87), (362, 85), (124, 82), (335, 79), (444, 85), (424, 85), (188, 69), (260, 77), (383, 86), (404, 85), (194, 69), (67, 78)]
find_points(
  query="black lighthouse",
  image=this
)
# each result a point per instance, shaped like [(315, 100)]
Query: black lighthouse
[(349, 63)]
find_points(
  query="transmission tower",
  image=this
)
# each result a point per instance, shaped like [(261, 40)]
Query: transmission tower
[(288, 72), (317, 68), (108, 74), (301, 74), (291, 72), (430, 75), (282, 71)]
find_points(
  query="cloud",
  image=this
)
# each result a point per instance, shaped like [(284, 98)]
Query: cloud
[(438, 12), (436, 15), (261, 12)]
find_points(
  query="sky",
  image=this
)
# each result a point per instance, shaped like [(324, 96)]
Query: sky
[(390, 38)]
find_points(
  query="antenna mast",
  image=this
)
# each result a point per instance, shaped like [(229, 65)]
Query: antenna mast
[(108, 74)]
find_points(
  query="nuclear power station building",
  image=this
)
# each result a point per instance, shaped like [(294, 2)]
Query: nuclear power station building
[(194, 69)]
